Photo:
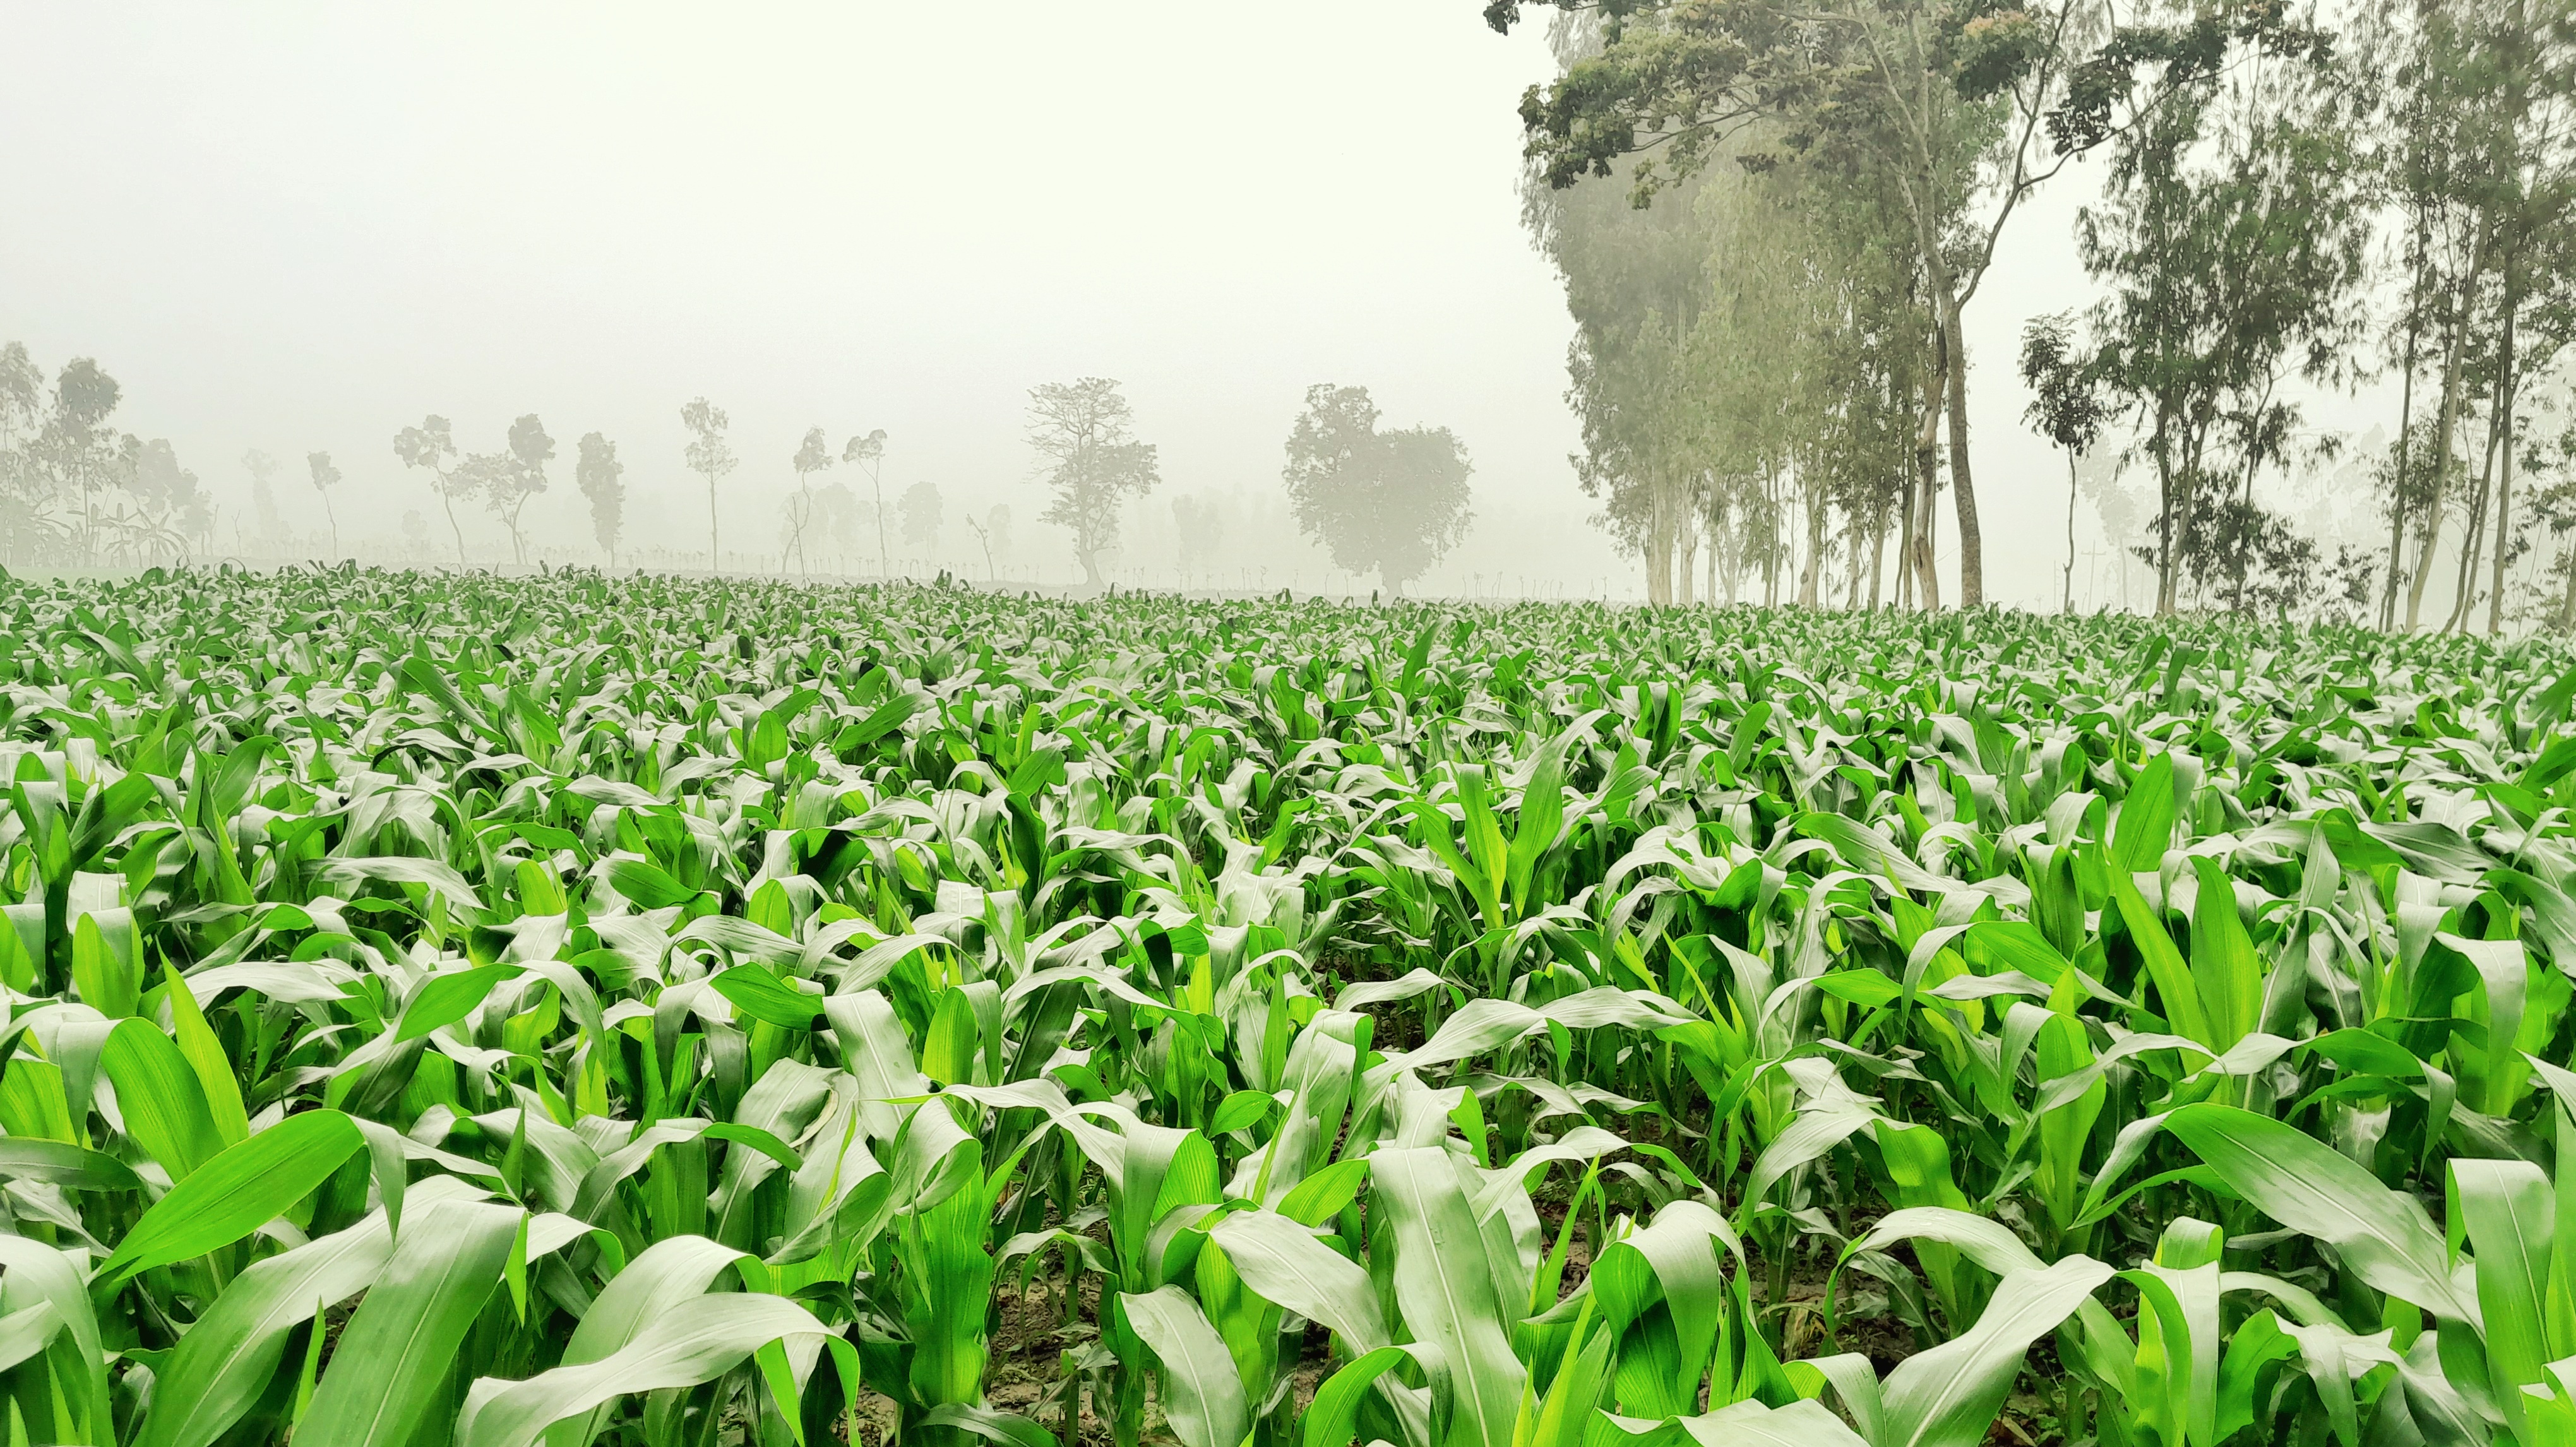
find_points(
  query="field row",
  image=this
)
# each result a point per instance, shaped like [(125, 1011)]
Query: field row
[(671, 1012)]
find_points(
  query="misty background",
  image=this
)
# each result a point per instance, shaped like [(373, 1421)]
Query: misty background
[(304, 227)]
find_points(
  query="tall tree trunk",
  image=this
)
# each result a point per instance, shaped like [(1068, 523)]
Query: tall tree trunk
[(2165, 501), (2453, 350), (1811, 580), (1927, 466), (1963, 487), (2510, 385), (1877, 556), (448, 500), (1686, 567), (2464, 589), (2066, 603), (715, 550), (2405, 439)]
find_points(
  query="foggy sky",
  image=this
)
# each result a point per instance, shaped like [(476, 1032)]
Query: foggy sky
[(302, 227)]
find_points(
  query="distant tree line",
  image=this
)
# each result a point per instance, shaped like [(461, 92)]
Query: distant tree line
[(74, 490), (1772, 218)]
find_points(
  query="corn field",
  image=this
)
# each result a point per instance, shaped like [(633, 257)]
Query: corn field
[(454, 1010)]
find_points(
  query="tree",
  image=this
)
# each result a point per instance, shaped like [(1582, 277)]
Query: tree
[(2232, 234), (811, 457), (1200, 521), (263, 498), (172, 507), (326, 477), (517, 476), (602, 479), (78, 449), (992, 532), (1944, 101), (869, 452), (1389, 503), (432, 446), (2065, 408), (920, 515), (709, 457), (1083, 433), (23, 494)]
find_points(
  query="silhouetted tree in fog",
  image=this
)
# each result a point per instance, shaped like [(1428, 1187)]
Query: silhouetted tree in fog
[(1389, 503), (869, 452), (432, 445), (993, 533), (709, 457), (326, 477), (603, 480), (1083, 432), (523, 476), (812, 456), (2065, 406), (921, 515), (263, 498)]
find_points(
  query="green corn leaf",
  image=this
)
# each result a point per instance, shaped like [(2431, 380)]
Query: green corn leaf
[(1203, 1398), (2145, 826), (401, 1344), (1282, 1261), (2510, 1211), (164, 1104), (697, 1342), (237, 1192), (2382, 1235), (230, 1355), (1948, 1396), (2223, 963), (1445, 1289)]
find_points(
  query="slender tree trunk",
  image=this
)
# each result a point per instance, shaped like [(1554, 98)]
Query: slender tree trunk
[(333, 514), (1963, 487), (2066, 603), (2504, 479), (448, 500), (1686, 527), (1927, 463), (2464, 589), (715, 552), (2163, 448), (2405, 442), (1877, 556), (2453, 352)]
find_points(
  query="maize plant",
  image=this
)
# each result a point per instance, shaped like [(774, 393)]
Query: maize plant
[(448, 1010)]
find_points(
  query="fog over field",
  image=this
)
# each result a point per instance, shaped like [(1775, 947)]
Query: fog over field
[(302, 228)]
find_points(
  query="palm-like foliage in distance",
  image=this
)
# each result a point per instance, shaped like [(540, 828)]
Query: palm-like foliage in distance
[(456, 1010)]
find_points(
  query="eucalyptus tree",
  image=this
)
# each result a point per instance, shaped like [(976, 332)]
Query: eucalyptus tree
[(711, 457), (431, 447), (602, 479), (869, 453), (812, 456), (1084, 435), (23, 494), (518, 475), (1947, 107), (2479, 160), (2065, 407), (2231, 235), (326, 476), (992, 533)]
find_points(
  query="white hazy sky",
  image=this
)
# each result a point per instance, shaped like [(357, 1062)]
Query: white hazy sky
[(302, 226)]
